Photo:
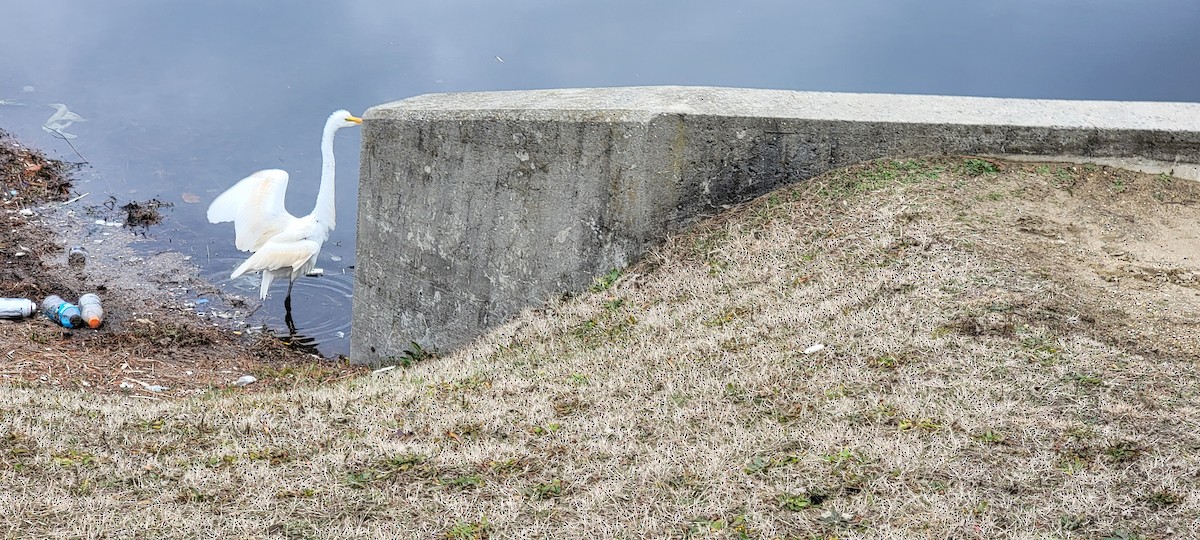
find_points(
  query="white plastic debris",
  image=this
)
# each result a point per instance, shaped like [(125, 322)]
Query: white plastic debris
[(26, 212), (384, 369), (128, 383), (245, 380), (816, 348), (60, 120)]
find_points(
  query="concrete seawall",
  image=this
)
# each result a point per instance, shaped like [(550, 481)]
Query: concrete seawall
[(474, 206)]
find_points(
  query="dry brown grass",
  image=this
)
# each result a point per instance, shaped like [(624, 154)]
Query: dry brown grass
[(1009, 353)]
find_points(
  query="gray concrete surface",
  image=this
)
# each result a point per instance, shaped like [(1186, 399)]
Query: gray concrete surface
[(474, 206)]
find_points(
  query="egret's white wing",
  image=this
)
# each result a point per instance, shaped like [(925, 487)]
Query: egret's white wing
[(255, 206), (274, 256)]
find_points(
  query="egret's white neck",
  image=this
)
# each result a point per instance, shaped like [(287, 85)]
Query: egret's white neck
[(325, 212)]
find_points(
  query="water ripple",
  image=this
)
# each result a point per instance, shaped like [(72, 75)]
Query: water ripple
[(320, 307)]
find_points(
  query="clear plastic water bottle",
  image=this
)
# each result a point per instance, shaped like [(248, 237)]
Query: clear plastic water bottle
[(62, 312), (91, 310), (77, 256), (16, 308)]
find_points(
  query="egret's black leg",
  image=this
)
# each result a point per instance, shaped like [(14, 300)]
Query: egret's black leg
[(287, 310), (291, 324)]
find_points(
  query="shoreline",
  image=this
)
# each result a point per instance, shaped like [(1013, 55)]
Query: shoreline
[(153, 336)]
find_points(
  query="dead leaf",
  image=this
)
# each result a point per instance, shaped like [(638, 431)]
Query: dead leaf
[(190, 198)]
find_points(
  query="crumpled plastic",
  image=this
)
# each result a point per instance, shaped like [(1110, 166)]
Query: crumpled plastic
[(61, 120)]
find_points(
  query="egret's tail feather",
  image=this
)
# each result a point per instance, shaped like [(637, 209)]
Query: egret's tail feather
[(267, 276)]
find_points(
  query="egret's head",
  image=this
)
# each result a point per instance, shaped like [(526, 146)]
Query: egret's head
[(343, 119)]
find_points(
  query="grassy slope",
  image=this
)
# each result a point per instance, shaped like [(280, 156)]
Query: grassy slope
[(980, 378)]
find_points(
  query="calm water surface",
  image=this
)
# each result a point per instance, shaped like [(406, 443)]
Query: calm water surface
[(181, 100)]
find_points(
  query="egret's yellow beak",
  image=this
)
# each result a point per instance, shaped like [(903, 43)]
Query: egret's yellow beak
[(354, 119)]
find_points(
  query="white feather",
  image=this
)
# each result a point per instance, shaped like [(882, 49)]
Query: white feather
[(255, 206)]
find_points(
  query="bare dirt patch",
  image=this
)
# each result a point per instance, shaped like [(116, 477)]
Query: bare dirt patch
[(149, 337), (916, 348)]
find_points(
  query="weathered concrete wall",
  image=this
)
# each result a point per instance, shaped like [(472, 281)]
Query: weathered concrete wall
[(474, 206)]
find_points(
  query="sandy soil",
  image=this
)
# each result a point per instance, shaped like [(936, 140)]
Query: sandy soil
[(153, 333)]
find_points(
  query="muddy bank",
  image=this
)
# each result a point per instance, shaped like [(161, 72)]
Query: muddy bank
[(164, 326)]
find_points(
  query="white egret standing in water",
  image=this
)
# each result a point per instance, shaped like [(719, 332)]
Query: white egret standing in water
[(284, 245)]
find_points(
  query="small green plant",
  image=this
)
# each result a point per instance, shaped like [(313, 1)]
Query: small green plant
[(414, 354), (547, 490), (1073, 522), (604, 282), (1084, 379), (990, 437), (887, 361), (474, 530), (1163, 499), (842, 457), (1071, 463), (470, 481), (726, 317), (1122, 452), (757, 465), (924, 424), (365, 477), (1042, 348), (979, 167), (736, 527), (193, 495), (795, 503), (614, 305), (73, 458), (762, 464), (1118, 185)]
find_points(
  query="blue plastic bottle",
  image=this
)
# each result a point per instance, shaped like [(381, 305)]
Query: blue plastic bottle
[(62, 312)]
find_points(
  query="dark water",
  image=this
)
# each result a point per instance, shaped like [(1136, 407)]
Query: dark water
[(187, 98)]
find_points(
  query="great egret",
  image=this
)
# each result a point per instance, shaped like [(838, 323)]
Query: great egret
[(284, 245)]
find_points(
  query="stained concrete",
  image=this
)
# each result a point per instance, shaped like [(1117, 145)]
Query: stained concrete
[(474, 206)]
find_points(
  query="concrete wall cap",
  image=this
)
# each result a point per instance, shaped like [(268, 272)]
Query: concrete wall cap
[(641, 103)]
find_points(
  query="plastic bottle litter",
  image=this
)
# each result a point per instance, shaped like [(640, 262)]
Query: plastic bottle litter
[(245, 380), (77, 256), (62, 312), (91, 310), (16, 308)]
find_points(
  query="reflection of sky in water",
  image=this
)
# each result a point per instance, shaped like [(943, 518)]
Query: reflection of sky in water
[(190, 97)]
